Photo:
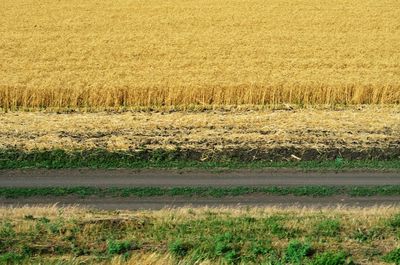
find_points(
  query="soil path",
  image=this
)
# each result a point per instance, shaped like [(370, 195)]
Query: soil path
[(192, 178), (196, 178)]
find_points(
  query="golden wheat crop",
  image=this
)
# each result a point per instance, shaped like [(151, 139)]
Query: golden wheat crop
[(129, 53)]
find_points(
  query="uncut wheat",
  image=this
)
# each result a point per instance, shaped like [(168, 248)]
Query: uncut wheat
[(182, 53)]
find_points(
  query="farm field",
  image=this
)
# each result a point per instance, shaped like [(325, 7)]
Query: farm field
[(54, 235), (216, 81), (243, 105), (127, 54), (143, 104)]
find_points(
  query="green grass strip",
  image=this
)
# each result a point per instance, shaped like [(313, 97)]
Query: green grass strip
[(57, 159), (315, 191)]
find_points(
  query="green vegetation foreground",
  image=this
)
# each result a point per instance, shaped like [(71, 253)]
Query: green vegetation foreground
[(200, 236)]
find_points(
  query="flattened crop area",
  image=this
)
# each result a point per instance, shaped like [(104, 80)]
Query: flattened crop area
[(367, 133)]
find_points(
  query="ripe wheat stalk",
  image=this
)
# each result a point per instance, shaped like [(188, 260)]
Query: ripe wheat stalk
[(121, 54)]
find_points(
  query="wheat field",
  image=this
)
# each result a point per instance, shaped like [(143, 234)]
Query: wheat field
[(180, 53)]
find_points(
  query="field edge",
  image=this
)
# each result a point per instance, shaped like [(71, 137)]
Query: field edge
[(160, 158)]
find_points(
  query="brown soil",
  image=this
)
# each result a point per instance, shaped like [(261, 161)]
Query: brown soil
[(191, 178)]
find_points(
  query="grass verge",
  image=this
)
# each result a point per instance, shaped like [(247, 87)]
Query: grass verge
[(56, 159), (199, 236), (315, 191)]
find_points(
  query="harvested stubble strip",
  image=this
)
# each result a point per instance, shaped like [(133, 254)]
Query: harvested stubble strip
[(118, 54), (370, 132)]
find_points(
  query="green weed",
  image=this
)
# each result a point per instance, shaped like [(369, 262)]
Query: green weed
[(363, 235), (327, 228), (276, 228), (393, 256), (11, 258), (332, 258), (226, 247), (179, 249), (394, 222), (119, 247), (7, 230), (297, 251)]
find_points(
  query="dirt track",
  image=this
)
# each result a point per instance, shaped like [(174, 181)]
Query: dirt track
[(198, 178)]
